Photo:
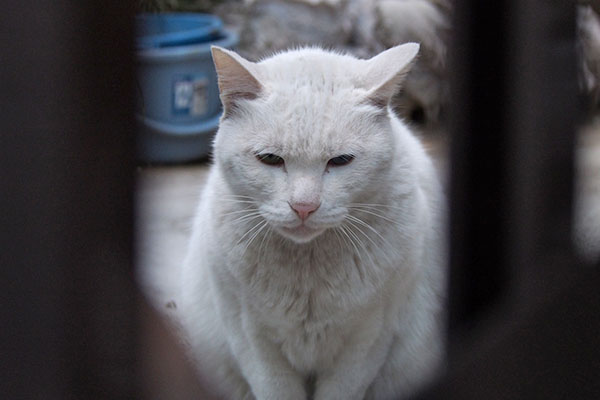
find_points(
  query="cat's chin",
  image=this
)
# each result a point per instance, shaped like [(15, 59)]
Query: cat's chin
[(301, 234)]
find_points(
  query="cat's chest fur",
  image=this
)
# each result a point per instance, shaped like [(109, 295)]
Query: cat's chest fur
[(315, 281), (298, 284), (307, 298)]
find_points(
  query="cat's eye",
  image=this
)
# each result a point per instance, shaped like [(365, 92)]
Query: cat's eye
[(341, 160), (270, 159)]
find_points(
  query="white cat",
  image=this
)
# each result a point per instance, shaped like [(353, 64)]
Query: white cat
[(315, 267)]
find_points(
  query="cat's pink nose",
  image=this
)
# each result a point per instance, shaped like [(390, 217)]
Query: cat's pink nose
[(304, 209)]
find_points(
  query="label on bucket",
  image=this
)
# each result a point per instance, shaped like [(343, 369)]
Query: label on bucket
[(190, 96)]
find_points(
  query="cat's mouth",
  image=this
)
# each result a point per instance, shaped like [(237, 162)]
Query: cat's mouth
[(301, 233)]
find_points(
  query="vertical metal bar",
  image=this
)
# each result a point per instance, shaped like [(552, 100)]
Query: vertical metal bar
[(66, 161), (512, 154), (535, 334), (542, 111), (479, 184)]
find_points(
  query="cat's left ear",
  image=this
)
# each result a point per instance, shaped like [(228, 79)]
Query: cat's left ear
[(386, 72), (237, 78)]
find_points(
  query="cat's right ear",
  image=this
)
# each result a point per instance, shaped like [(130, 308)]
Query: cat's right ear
[(236, 77)]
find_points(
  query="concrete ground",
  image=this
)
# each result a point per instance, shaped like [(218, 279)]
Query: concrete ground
[(166, 200)]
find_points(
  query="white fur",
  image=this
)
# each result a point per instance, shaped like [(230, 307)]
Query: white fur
[(351, 301)]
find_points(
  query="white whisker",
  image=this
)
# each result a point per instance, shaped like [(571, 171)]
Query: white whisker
[(236, 195), (250, 231), (337, 234), (246, 218), (262, 242), (371, 212), (245, 210), (375, 205), (342, 229), (384, 254), (363, 223), (359, 266), (355, 226), (263, 225), (236, 201)]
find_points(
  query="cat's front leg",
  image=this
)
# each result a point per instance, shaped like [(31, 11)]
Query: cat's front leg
[(268, 373), (250, 340), (358, 364)]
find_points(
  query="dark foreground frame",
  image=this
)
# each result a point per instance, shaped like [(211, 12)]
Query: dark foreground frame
[(524, 312), (524, 317)]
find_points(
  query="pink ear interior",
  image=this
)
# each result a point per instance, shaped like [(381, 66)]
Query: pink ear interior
[(236, 81)]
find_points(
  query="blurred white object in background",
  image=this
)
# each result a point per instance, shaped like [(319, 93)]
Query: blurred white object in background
[(588, 43)]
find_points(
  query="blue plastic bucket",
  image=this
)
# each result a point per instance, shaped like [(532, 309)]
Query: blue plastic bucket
[(178, 105), (167, 30)]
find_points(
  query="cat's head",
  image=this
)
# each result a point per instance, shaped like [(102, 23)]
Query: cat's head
[(306, 134)]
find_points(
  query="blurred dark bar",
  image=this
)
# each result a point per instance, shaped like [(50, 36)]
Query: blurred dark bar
[(524, 315), (512, 153), (479, 194), (66, 143), (542, 114)]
